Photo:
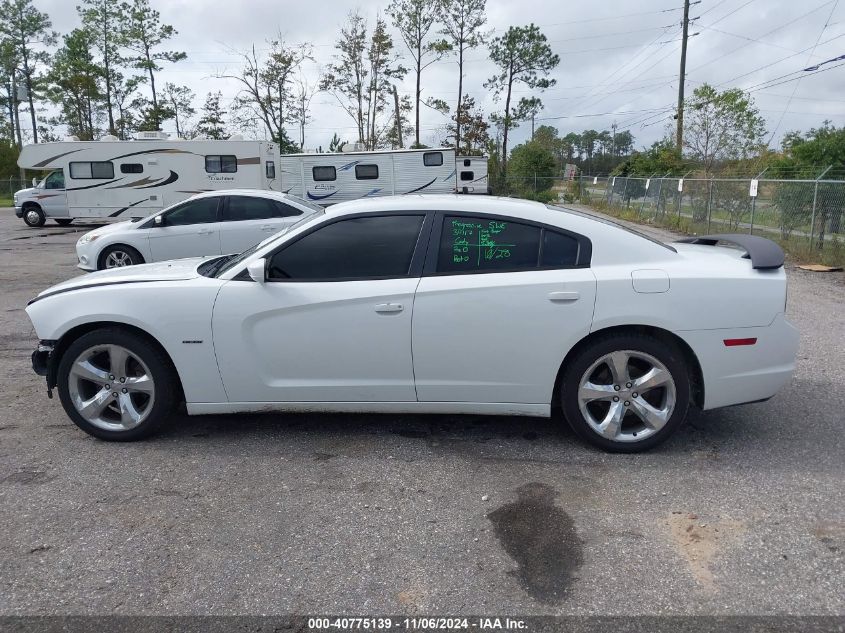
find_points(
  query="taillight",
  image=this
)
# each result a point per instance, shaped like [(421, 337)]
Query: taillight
[(734, 342)]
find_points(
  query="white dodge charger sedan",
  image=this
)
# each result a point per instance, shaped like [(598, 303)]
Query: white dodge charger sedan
[(210, 223), (428, 304)]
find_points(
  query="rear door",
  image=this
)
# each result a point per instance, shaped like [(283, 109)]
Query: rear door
[(500, 304), (191, 229), (246, 220)]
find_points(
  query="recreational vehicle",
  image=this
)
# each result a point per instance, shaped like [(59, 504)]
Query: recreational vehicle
[(111, 178), (330, 178)]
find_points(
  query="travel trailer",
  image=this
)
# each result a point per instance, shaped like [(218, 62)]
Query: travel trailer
[(119, 179), (330, 178), (112, 179)]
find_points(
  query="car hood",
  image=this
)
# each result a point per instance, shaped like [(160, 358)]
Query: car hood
[(174, 270), (112, 228), (24, 192)]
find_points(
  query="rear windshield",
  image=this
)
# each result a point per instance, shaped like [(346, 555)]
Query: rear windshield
[(604, 220)]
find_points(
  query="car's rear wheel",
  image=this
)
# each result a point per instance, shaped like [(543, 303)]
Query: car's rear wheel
[(116, 385), (33, 216), (626, 393), (118, 256), (64, 221)]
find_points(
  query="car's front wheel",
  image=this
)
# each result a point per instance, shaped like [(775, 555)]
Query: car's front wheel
[(626, 393), (116, 385), (33, 216), (118, 256)]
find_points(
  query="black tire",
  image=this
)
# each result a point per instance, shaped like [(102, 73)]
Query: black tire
[(133, 256), (33, 216), (668, 354), (165, 380), (64, 221)]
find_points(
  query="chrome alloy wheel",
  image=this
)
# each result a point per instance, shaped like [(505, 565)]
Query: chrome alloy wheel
[(627, 396), (32, 216), (111, 387), (118, 259)]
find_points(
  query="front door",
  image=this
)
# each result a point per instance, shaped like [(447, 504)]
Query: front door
[(191, 229), (503, 303), (52, 197), (332, 323)]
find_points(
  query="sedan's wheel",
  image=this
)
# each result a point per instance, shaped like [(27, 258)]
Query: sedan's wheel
[(626, 393), (34, 216), (115, 385), (119, 256)]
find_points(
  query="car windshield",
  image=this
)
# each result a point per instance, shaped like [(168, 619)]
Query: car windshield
[(230, 261)]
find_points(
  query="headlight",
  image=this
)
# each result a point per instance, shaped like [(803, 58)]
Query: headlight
[(87, 238)]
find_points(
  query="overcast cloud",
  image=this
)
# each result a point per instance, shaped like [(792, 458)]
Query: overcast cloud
[(619, 59)]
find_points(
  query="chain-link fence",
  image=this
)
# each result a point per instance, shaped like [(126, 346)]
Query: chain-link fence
[(795, 212), (8, 186)]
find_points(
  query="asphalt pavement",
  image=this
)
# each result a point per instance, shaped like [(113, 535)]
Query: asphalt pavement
[(742, 512)]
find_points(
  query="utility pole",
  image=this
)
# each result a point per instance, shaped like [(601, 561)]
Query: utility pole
[(679, 135), (613, 141), (398, 117), (532, 126)]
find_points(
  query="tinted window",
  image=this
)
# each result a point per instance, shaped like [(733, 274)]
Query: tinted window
[(199, 211), (467, 175), (131, 168), (559, 250), (366, 172), (248, 208), (94, 170), (285, 210), (357, 248), (471, 245), (323, 173), (270, 169), (217, 164), (433, 159)]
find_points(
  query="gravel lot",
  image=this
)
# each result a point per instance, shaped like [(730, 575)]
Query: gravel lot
[(742, 512)]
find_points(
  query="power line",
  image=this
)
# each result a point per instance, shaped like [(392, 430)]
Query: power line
[(795, 88)]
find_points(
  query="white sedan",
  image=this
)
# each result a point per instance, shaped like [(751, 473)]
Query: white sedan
[(428, 304), (211, 223)]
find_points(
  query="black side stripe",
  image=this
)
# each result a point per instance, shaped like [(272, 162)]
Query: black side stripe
[(93, 186), (172, 178), (423, 187), (52, 158), (105, 283), (119, 211)]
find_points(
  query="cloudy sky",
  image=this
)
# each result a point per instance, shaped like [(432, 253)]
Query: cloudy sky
[(619, 59)]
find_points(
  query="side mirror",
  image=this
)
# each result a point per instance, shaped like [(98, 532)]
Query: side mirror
[(256, 270), (34, 182), (158, 220)]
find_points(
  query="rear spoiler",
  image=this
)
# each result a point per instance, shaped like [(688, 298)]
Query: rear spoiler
[(763, 253)]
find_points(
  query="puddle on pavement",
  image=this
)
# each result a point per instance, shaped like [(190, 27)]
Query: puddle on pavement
[(541, 539)]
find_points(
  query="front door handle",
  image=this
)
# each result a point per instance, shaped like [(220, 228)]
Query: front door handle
[(267, 227), (389, 307), (205, 232), (561, 296)]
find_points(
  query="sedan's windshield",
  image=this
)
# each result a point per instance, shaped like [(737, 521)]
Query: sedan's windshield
[(230, 261)]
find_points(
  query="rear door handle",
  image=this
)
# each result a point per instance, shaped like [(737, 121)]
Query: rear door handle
[(389, 307), (205, 231), (267, 227), (561, 296)]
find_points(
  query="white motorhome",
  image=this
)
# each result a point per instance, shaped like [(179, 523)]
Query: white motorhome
[(336, 177), (111, 178)]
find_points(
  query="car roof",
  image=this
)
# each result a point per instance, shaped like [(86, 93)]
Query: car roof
[(441, 202), (256, 193)]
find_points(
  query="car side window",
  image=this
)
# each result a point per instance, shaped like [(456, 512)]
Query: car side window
[(56, 180), (356, 248), (558, 250), (473, 244), (201, 211), (285, 210), (239, 208)]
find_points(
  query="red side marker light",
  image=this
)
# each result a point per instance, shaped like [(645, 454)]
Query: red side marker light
[(733, 342)]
